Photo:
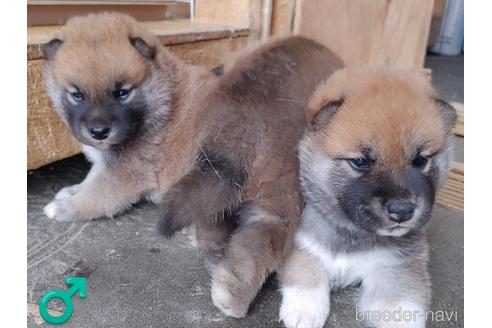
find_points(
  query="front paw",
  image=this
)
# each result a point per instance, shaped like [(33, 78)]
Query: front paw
[(68, 191), (230, 294), (60, 210), (304, 308)]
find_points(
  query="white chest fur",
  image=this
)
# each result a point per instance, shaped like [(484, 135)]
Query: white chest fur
[(346, 269), (92, 154), (387, 283)]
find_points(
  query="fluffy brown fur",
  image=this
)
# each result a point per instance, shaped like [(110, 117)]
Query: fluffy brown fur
[(388, 98), (217, 151)]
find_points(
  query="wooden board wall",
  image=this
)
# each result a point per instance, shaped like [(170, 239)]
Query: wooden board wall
[(59, 14), (224, 12), (282, 17), (460, 122), (453, 192), (376, 32)]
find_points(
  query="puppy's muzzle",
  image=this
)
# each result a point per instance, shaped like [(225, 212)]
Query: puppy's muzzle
[(400, 210), (99, 132)]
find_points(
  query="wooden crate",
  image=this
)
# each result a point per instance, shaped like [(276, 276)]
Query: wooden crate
[(452, 194), (460, 123), (375, 33)]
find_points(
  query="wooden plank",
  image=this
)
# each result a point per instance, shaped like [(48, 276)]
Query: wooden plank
[(266, 19), (375, 33), (225, 12), (460, 123), (436, 21), (169, 32), (100, 2), (453, 191), (458, 169), (282, 17), (48, 138), (209, 53), (44, 15), (451, 194)]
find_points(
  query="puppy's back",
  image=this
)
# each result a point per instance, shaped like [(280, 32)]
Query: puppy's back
[(265, 93), (258, 110), (283, 67)]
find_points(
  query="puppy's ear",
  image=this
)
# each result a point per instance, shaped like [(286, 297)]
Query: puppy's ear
[(448, 113), (49, 49), (323, 115), (218, 70), (142, 47)]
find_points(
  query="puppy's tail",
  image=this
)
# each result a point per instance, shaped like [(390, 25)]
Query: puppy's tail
[(200, 198), (173, 219), (169, 224)]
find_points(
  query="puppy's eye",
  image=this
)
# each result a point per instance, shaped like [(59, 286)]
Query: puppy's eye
[(77, 96), (360, 164), (121, 94), (419, 161)]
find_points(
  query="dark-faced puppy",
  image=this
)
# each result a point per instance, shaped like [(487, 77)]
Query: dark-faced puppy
[(209, 146), (377, 151), (103, 76)]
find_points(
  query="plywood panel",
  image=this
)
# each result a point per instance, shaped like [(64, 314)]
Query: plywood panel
[(376, 32)]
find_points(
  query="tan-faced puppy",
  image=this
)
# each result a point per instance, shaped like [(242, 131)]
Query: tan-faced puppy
[(217, 151), (377, 151)]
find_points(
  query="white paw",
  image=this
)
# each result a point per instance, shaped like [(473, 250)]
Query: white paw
[(232, 305), (304, 308), (68, 191), (59, 210), (50, 210), (222, 298), (190, 233)]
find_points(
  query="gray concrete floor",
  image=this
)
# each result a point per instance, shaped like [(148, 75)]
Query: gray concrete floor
[(448, 78), (136, 278)]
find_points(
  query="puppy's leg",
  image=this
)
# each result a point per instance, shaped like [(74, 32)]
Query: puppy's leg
[(102, 193), (395, 296), (68, 191), (305, 291), (209, 237), (203, 202), (256, 249)]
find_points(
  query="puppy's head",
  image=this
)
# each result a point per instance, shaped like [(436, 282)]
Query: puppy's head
[(101, 78), (377, 150)]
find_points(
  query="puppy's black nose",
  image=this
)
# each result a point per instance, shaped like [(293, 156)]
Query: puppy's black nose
[(99, 132), (400, 210)]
